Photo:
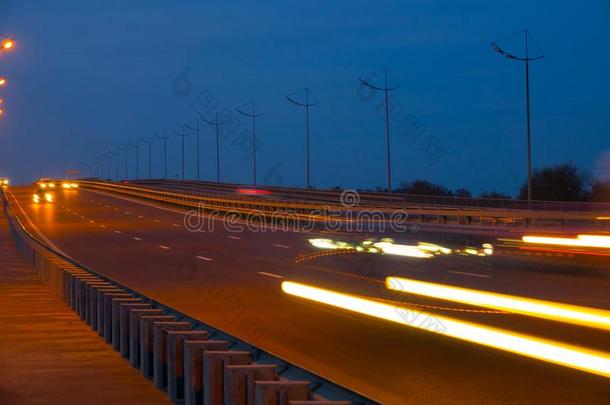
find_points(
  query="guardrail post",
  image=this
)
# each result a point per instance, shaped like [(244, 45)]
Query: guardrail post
[(146, 342), (193, 368), (91, 299), (107, 310), (280, 392), (214, 363), (115, 333), (160, 349), (175, 359), (100, 304), (319, 402), (134, 332), (125, 329), (239, 382)]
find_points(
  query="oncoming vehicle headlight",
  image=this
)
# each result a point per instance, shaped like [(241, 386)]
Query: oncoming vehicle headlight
[(65, 185), (48, 197), (74, 185), (36, 198)]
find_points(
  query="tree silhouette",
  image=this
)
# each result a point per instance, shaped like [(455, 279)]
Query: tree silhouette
[(563, 182)]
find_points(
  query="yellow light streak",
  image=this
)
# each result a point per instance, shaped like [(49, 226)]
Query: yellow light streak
[(573, 314), (593, 241), (402, 250), (575, 357)]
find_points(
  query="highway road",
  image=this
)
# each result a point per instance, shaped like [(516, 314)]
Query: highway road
[(231, 280)]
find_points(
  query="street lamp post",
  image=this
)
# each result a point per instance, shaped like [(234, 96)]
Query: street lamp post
[(149, 141), (196, 129), (136, 146), (526, 59), (385, 89), (6, 44), (164, 138), (182, 135), (217, 125), (307, 104), (252, 115)]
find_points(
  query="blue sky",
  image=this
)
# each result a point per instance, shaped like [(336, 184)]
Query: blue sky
[(90, 76)]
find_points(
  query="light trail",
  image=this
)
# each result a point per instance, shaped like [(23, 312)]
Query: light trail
[(587, 360), (592, 241), (554, 311)]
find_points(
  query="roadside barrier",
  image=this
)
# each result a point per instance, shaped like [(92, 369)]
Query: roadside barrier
[(194, 362)]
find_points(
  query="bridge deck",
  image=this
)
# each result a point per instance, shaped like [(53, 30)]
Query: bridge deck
[(47, 354)]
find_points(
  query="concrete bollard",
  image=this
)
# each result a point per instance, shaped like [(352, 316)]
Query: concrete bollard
[(175, 359), (280, 392), (214, 363), (160, 349), (193, 368), (239, 381), (124, 309), (100, 306), (115, 324), (146, 341), (134, 332)]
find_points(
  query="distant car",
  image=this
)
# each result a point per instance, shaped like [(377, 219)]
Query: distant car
[(46, 183), (68, 185), (42, 195)]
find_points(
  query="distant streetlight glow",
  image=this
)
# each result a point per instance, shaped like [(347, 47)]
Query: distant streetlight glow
[(8, 44), (2, 81)]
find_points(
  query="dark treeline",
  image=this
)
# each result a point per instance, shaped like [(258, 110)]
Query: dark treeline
[(563, 182)]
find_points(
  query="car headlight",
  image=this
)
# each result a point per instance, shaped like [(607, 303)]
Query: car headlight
[(52, 185), (74, 185), (48, 197), (43, 185), (36, 198), (65, 185)]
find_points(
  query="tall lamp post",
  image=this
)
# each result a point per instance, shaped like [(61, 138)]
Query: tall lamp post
[(217, 125), (182, 135), (196, 129), (6, 43), (164, 138), (252, 115), (149, 141), (527, 59), (307, 105), (136, 146), (385, 89)]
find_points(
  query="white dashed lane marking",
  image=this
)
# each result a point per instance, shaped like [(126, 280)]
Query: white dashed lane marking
[(176, 225), (470, 274), (207, 259), (234, 237), (136, 238), (164, 247), (262, 273), (117, 231), (282, 246)]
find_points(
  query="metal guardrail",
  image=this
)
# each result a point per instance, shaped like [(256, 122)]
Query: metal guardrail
[(311, 212), (393, 198), (174, 350)]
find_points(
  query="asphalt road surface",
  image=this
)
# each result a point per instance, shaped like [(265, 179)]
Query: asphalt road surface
[(231, 280)]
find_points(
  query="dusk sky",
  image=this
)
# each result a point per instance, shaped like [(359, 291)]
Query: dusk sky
[(87, 77)]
